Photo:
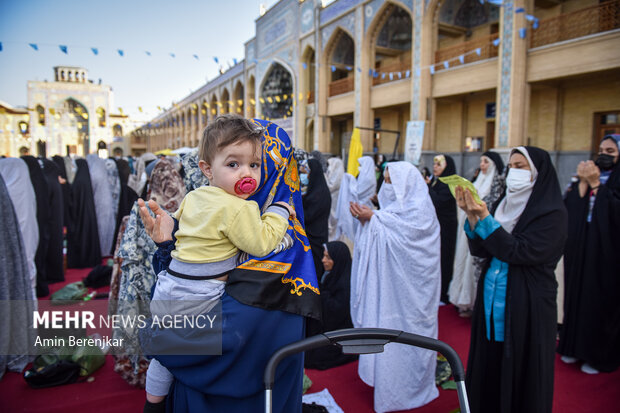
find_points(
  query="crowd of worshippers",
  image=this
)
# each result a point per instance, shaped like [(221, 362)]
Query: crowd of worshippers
[(389, 245)]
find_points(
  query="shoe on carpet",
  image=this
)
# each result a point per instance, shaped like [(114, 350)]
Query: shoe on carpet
[(466, 313), (586, 368), (568, 359)]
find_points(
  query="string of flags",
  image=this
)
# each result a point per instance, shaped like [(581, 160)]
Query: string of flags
[(123, 53), (291, 99)]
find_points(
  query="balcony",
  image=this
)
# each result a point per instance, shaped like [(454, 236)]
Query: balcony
[(468, 49), (138, 141), (393, 68), (596, 19), (338, 87)]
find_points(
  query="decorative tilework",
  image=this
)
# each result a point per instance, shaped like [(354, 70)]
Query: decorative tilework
[(417, 50), (250, 52), (336, 9), (276, 30), (347, 22), (506, 75), (369, 12), (306, 16)]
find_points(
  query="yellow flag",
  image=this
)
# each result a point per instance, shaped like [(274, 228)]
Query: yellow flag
[(355, 152), (140, 109)]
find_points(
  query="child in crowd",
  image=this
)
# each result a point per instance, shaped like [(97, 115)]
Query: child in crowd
[(216, 224)]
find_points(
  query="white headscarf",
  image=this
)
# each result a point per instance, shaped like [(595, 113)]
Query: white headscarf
[(395, 282), (102, 196), (511, 207), (366, 181), (333, 177), (484, 180), (358, 190)]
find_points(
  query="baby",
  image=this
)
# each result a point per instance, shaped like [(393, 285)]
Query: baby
[(216, 224)]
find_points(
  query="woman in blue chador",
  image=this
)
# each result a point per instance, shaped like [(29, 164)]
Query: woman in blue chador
[(263, 308)]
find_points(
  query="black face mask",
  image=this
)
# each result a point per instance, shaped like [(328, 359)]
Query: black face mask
[(605, 162)]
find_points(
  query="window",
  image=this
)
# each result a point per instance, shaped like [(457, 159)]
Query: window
[(41, 115)]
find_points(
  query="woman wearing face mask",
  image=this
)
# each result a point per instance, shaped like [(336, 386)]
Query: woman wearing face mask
[(443, 165), (591, 331), (511, 356), (489, 185), (395, 281), (317, 203)]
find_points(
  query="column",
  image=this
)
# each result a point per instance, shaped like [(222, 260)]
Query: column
[(513, 91)]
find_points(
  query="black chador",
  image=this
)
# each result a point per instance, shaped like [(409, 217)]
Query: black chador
[(516, 375), (335, 287), (317, 203), (126, 199), (591, 327), (54, 257), (39, 184), (83, 248), (445, 207)]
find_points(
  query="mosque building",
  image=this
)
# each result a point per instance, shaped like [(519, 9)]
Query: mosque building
[(475, 74), (71, 115)]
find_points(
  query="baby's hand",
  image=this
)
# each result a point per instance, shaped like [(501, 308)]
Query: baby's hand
[(291, 211)]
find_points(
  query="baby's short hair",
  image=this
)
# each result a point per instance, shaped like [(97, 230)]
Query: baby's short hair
[(227, 130)]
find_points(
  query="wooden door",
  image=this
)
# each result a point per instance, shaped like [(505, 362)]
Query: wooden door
[(605, 123), (490, 137)]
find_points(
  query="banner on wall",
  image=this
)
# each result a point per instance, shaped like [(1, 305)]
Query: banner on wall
[(413, 141)]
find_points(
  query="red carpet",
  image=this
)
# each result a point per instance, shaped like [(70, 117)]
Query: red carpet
[(575, 392)]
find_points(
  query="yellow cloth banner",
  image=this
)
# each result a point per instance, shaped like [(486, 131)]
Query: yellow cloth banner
[(355, 152)]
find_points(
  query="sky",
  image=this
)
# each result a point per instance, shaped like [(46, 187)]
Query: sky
[(206, 28)]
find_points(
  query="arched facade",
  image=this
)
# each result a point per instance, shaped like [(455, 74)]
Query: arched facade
[(476, 76), (277, 93)]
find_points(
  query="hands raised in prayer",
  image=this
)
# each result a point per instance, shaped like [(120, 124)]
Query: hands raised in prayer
[(360, 212), (158, 228), (589, 175), (474, 210)]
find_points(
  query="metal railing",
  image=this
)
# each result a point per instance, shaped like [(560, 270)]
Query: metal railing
[(468, 50), (590, 20), (338, 87)]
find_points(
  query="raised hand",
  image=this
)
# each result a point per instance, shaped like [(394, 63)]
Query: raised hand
[(360, 212), (158, 228), (474, 210), (591, 173)]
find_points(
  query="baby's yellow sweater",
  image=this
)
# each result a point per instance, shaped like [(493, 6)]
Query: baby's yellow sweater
[(214, 226)]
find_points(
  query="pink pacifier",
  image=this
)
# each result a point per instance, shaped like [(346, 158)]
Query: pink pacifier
[(245, 186)]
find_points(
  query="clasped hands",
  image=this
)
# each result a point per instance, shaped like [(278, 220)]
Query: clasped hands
[(474, 210), (588, 172)]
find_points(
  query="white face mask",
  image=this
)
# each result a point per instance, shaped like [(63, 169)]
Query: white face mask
[(386, 195), (518, 179)]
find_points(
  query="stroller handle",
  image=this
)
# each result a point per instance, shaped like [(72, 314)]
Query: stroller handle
[(367, 339)]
